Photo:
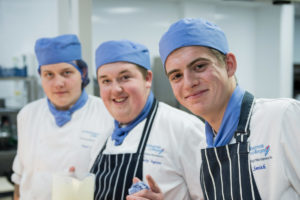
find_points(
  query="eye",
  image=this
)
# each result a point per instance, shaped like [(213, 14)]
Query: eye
[(105, 81), (175, 76), (48, 74), (199, 67), (67, 73), (125, 77)]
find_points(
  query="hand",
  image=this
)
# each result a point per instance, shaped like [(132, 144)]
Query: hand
[(153, 194), (72, 169), (17, 192)]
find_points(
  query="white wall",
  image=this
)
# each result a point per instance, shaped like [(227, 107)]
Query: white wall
[(21, 23), (140, 21), (297, 41), (255, 31), (256, 34)]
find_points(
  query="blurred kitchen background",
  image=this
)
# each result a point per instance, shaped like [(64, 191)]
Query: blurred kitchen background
[(264, 35)]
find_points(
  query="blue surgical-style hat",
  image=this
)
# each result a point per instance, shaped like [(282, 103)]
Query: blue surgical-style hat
[(192, 32), (63, 48), (122, 50)]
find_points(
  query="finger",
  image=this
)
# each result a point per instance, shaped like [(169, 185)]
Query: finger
[(152, 184), (135, 180), (147, 194), (131, 197)]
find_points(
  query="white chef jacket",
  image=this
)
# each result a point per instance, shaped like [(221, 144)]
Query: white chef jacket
[(275, 148), (172, 154), (45, 149)]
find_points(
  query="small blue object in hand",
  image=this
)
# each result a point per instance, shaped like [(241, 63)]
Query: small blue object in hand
[(138, 187)]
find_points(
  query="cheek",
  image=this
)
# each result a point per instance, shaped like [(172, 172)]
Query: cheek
[(104, 92), (46, 86), (176, 89)]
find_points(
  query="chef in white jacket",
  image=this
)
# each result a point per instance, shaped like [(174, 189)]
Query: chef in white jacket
[(253, 144), (149, 137), (56, 133)]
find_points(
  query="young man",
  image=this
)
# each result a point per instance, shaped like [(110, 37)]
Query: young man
[(56, 133), (149, 137), (253, 143)]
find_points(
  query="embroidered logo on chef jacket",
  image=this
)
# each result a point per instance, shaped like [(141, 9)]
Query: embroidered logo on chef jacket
[(87, 138), (260, 155), (154, 154)]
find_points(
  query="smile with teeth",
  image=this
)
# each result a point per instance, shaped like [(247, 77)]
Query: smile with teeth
[(120, 100)]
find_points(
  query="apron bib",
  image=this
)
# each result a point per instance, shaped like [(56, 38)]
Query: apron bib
[(226, 171), (114, 172)]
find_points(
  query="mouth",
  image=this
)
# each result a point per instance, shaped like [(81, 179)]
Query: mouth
[(60, 93), (120, 100), (196, 94)]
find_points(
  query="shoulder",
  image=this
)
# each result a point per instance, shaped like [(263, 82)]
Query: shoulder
[(172, 114), (95, 102), (96, 107), (34, 106), (280, 105), (173, 120), (275, 112), (182, 128)]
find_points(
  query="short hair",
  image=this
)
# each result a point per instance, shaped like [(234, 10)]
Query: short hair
[(221, 58), (219, 55), (83, 68), (143, 70)]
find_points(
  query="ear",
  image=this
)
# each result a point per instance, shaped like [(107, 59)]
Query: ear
[(149, 78), (231, 64)]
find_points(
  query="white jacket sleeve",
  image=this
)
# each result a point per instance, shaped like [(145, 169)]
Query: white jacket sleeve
[(17, 164), (190, 159), (290, 138), (17, 171)]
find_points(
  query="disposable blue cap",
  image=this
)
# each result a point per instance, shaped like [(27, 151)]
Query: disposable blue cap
[(63, 48), (192, 32), (122, 51)]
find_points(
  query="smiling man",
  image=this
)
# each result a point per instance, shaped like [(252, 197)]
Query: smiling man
[(253, 144), (149, 137)]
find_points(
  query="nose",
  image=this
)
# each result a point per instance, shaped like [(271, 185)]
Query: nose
[(190, 80), (59, 82), (117, 88)]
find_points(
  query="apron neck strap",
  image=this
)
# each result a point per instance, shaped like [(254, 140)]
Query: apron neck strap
[(148, 126), (243, 130), (146, 131)]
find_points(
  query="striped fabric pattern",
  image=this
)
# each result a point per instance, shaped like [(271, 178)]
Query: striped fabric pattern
[(226, 171), (114, 172)]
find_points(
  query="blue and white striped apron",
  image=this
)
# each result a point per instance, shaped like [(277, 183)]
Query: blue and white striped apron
[(226, 171), (114, 172)]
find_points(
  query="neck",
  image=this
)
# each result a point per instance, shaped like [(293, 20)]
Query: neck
[(134, 118), (215, 117)]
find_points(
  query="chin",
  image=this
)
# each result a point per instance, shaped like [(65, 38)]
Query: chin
[(195, 110)]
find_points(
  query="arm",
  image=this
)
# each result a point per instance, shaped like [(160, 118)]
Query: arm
[(153, 194), (17, 192), (192, 142), (290, 139)]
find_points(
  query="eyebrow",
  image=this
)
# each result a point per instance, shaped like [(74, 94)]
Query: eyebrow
[(102, 76), (63, 69), (122, 72), (188, 65)]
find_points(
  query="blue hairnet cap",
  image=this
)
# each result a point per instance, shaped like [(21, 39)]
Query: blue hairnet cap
[(192, 32), (63, 48), (122, 51)]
